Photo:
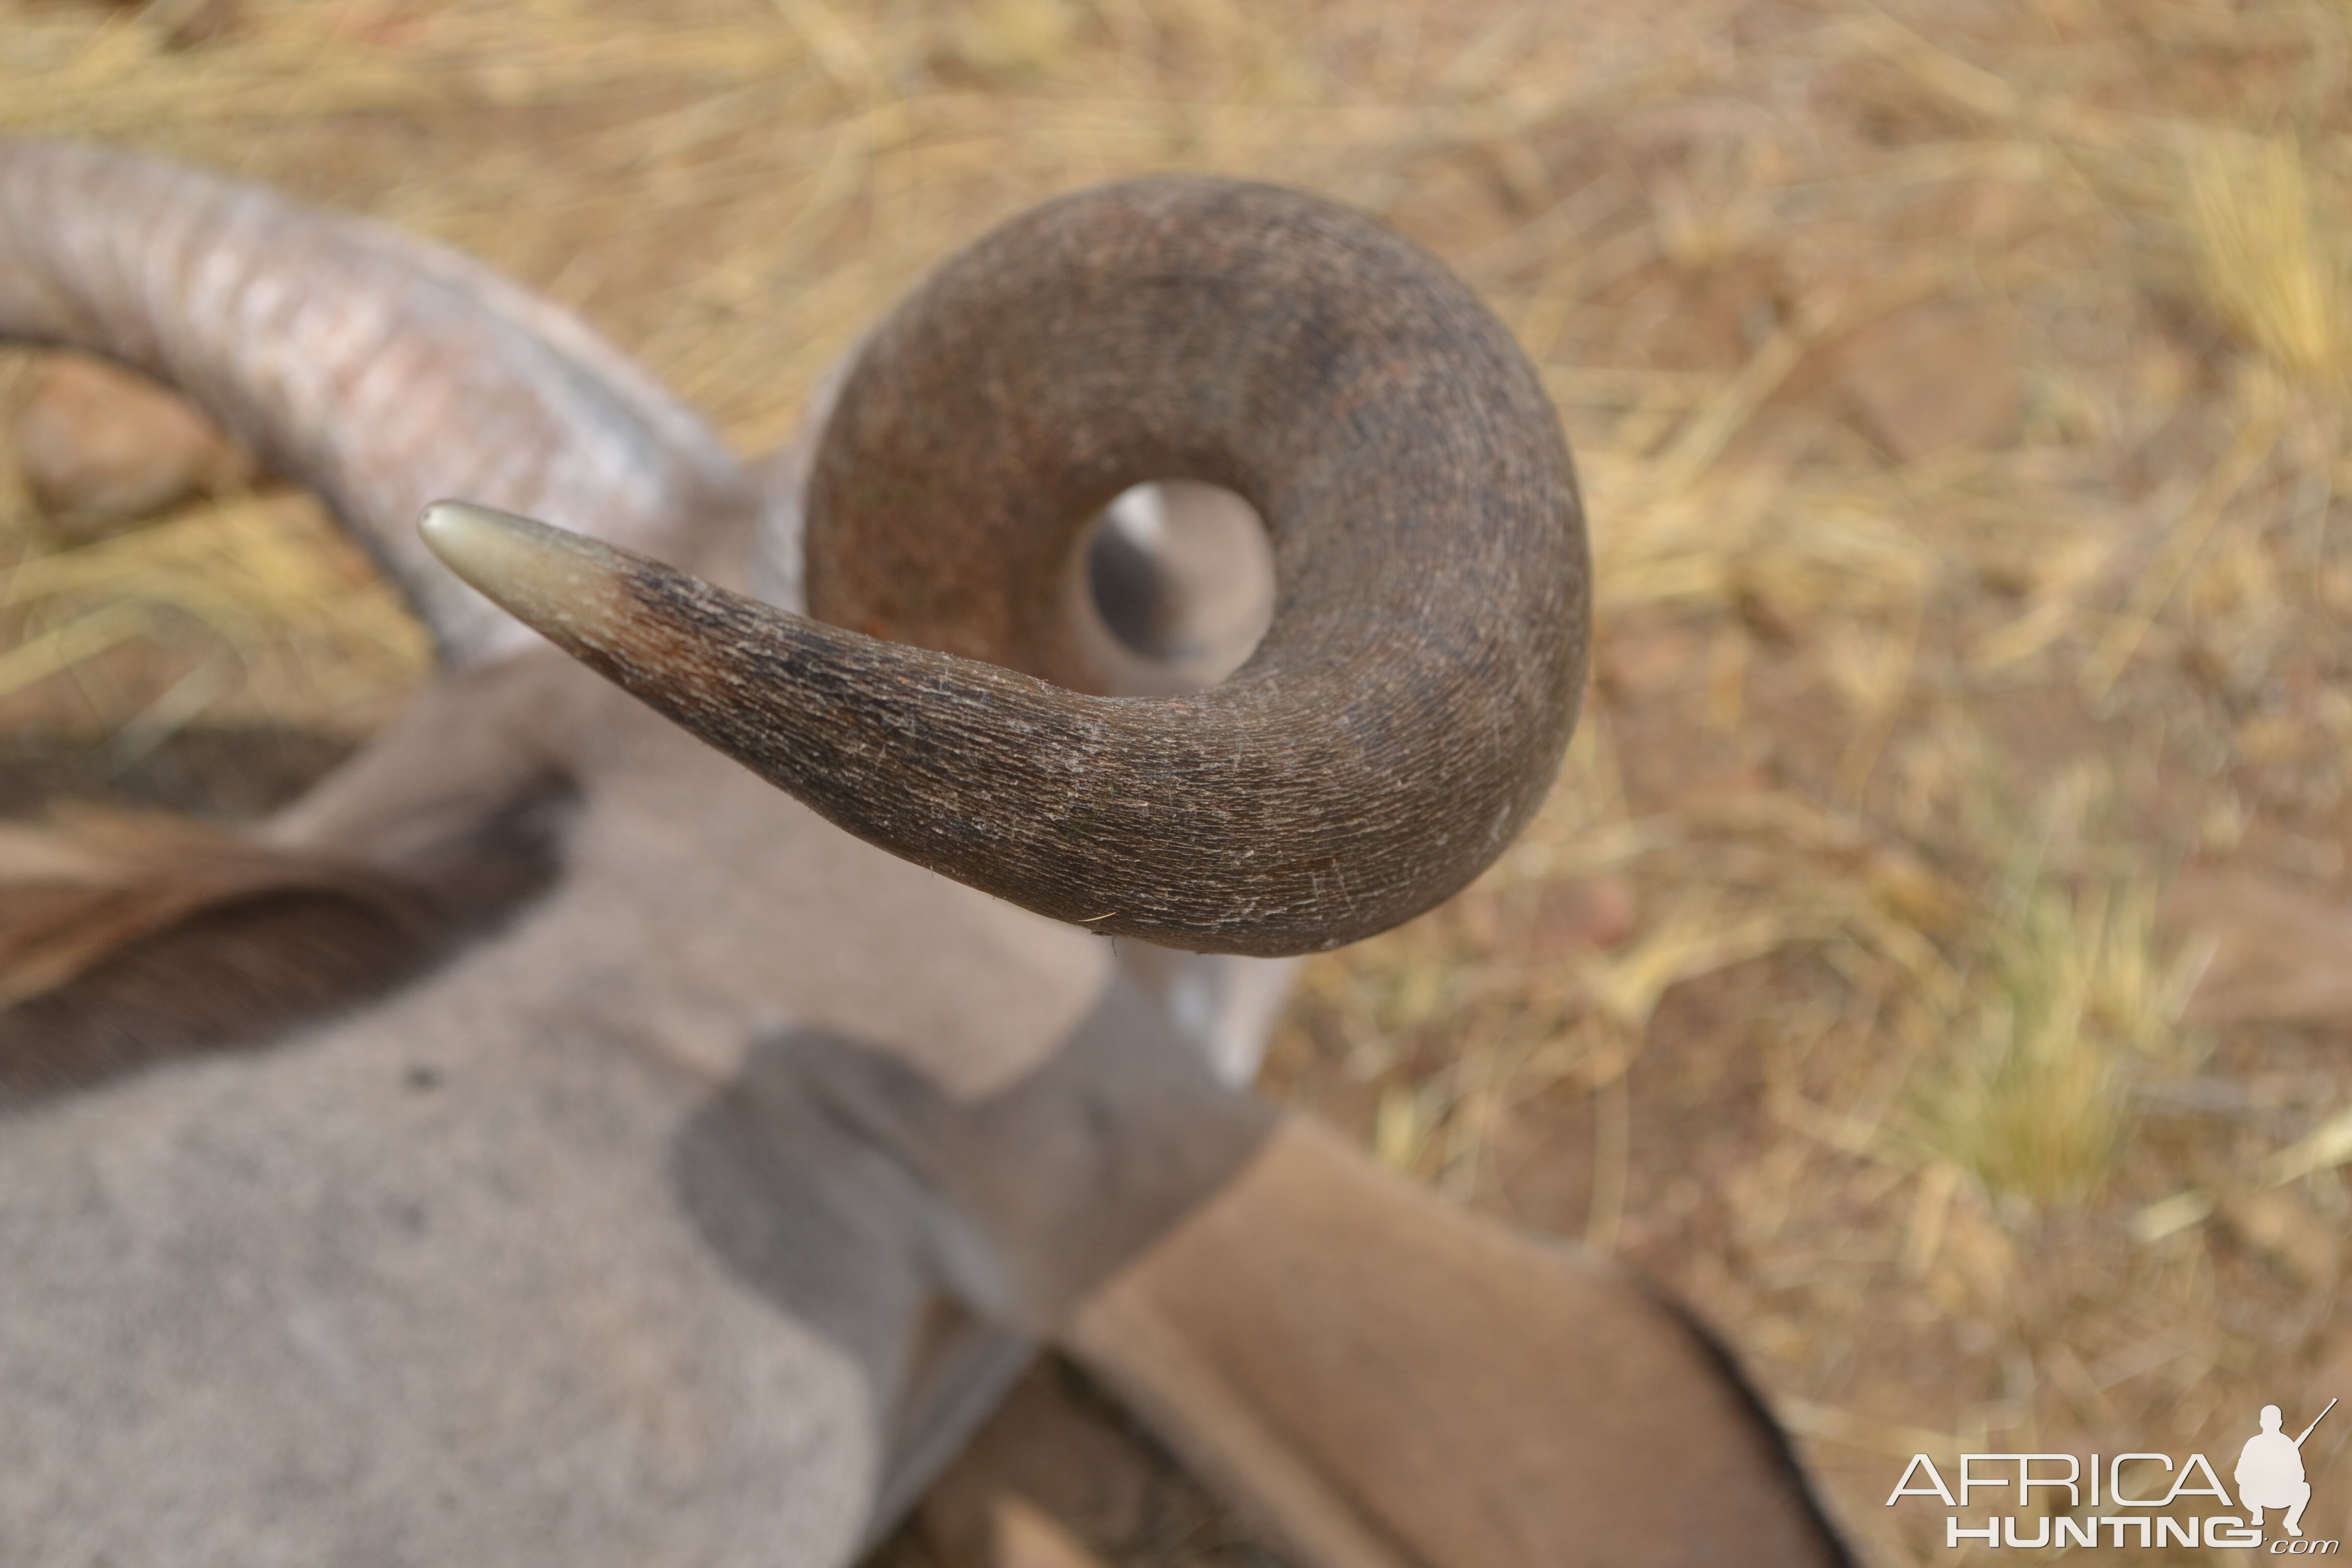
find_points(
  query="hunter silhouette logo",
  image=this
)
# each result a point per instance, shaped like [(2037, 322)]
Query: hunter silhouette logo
[(2270, 1478), (2270, 1471)]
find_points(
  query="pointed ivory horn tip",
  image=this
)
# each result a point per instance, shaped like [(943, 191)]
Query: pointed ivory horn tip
[(475, 542), (542, 574)]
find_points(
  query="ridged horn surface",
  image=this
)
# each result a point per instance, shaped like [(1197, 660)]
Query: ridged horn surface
[(379, 370), (1406, 710)]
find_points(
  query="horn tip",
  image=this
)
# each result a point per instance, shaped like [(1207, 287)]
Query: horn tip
[(466, 537), (545, 575)]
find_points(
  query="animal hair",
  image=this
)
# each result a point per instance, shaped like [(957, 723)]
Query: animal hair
[(130, 940)]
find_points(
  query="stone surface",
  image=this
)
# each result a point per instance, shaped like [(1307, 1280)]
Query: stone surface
[(1931, 380), (101, 447)]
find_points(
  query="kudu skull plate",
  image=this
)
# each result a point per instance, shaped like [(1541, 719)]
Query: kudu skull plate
[(662, 1174)]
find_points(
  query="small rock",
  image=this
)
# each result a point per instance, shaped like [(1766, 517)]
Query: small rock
[(102, 447), (1639, 656), (1931, 380), (2280, 953), (1605, 910), (2278, 1224)]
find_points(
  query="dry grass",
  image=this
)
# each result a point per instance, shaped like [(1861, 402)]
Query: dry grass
[(1960, 387), (2031, 1099), (2272, 257)]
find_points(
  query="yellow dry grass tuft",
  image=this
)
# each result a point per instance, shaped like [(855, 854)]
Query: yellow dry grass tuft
[(2030, 1096), (1958, 390), (259, 594), (2273, 252)]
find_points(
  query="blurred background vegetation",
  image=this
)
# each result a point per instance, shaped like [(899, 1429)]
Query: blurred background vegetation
[(1934, 962)]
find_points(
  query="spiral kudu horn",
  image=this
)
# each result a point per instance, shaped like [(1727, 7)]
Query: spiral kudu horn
[(1402, 717), (379, 370)]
